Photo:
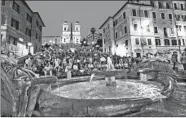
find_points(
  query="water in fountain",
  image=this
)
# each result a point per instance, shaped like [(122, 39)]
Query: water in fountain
[(98, 90)]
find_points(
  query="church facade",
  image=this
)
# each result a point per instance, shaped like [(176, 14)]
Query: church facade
[(71, 33)]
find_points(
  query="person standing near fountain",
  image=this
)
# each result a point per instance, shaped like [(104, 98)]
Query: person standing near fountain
[(69, 68), (183, 61)]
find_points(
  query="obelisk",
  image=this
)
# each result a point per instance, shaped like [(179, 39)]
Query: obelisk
[(71, 35)]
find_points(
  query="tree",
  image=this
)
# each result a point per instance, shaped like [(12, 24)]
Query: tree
[(84, 42), (47, 45), (99, 42)]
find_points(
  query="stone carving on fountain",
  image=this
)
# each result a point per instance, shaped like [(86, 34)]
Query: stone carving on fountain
[(28, 98), (23, 87), (159, 70), (109, 74)]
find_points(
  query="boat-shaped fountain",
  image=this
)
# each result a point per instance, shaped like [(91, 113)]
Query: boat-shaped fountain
[(80, 97)]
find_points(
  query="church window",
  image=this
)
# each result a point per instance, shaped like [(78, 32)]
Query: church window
[(76, 28), (65, 29)]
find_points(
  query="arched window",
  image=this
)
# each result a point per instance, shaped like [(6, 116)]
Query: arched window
[(158, 42), (76, 28), (152, 3), (126, 43), (165, 32), (179, 42), (146, 13), (183, 41), (160, 5), (175, 6), (174, 42), (65, 29), (109, 48), (167, 6), (137, 41), (166, 41)]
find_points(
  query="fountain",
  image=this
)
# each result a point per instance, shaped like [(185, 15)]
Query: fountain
[(121, 96), (108, 74), (84, 98)]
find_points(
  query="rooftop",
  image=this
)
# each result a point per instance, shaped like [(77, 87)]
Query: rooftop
[(40, 18), (25, 3)]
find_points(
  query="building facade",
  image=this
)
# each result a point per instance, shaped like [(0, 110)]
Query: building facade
[(146, 27), (71, 33), (19, 27)]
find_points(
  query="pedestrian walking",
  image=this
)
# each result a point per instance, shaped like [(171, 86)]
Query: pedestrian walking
[(174, 59), (183, 60)]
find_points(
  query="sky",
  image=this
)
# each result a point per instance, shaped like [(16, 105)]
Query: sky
[(88, 13)]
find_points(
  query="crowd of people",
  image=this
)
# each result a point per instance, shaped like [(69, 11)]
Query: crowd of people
[(72, 62), (69, 63)]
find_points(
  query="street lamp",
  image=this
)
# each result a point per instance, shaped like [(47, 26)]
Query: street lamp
[(51, 42), (29, 45), (93, 44), (84, 42)]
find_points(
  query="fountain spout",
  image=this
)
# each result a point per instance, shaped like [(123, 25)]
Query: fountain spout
[(109, 79), (92, 76)]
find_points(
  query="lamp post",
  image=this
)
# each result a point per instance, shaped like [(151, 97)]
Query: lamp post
[(29, 45), (93, 44)]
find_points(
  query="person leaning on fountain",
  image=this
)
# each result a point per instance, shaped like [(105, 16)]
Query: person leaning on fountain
[(69, 68)]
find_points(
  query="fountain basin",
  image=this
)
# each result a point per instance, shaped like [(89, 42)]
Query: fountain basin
[(97, 99), (98, 90)]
